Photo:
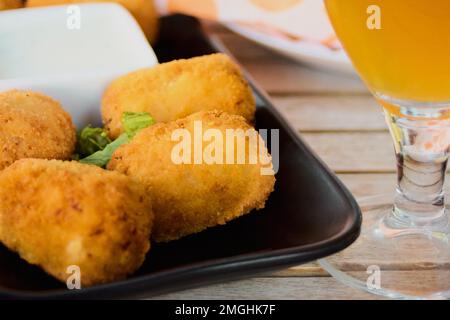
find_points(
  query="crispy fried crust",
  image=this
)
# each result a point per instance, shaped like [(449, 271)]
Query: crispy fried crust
[(56, 214), (10, 4), (33, 126), (177, 89), (144, 11), (189, 198)]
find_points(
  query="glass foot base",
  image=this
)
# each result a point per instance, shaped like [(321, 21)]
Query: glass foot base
[(394, 262)]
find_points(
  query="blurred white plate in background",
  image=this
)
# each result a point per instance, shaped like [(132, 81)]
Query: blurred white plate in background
[(313, 54)]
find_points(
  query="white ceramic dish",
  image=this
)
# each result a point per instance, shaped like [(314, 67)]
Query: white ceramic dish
[(302, 51), (38, 51)]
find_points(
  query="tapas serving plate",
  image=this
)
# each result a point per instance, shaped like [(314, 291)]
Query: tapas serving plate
[(310, 215)]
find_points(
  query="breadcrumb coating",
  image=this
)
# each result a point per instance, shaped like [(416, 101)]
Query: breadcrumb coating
[(188, 198), (33, 125), (57, 214), (176, 89)]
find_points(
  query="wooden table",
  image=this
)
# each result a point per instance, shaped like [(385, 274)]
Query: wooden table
[(343, 124)]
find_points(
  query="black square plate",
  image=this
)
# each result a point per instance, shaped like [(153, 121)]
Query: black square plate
[(309, 215)]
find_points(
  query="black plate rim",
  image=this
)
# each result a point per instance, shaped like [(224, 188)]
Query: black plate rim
[(253, 262)]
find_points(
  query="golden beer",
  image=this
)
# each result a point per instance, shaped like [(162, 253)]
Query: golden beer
[(408, 56)]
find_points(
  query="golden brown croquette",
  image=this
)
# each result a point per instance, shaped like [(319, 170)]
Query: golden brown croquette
[(188, 198), (177, 89), (33, 126), (59, 214)]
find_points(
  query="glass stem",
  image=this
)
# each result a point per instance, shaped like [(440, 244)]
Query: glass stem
[(421, 147)]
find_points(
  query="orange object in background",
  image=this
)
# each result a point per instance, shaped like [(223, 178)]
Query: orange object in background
[(408, 57), (278, 5), (202, 8), (10, 4)]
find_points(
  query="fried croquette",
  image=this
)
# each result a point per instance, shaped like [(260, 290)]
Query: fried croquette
[(33, 126), (59, 214), (188, 198), (10, 4), (176, 89), (144, 11)]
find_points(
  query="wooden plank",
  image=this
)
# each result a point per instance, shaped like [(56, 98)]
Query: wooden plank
[(332, 113), (363, 185), (284, 77), (367, 184), (312, 269), (354, 151), (312, 288), (273, 288), (280, 75), (404, 253)]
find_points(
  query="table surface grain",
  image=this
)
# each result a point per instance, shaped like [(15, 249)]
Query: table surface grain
[(343, 124)]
